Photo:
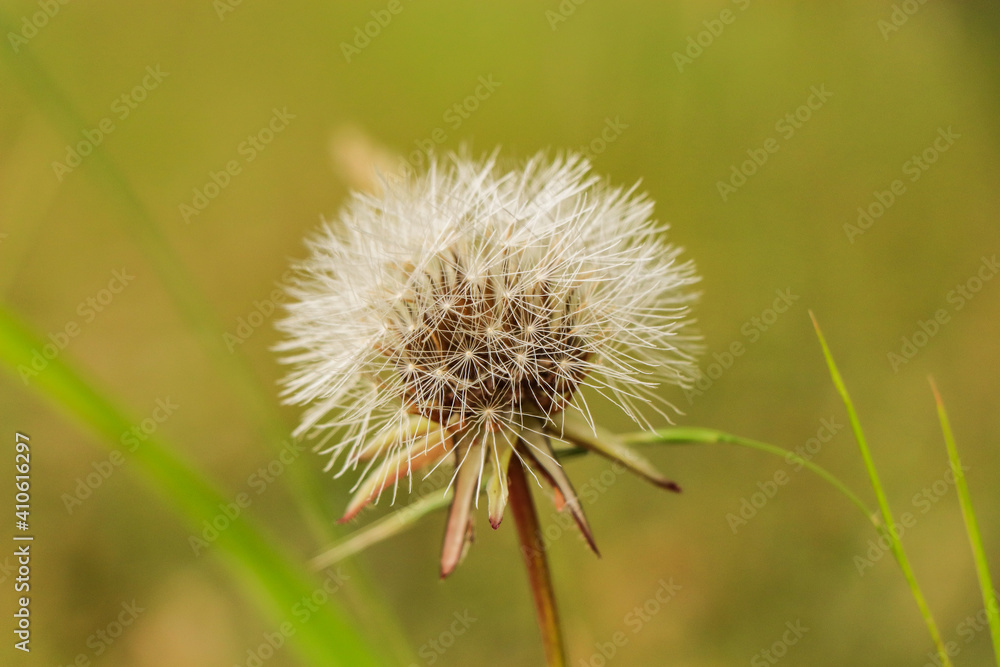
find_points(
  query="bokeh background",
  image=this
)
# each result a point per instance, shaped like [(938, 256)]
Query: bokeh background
[(600, 76)]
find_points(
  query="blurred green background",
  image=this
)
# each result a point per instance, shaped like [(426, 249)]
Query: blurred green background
[(562, 74)]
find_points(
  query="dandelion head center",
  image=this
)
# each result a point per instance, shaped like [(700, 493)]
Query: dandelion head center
[(483, 298), (488, 352)]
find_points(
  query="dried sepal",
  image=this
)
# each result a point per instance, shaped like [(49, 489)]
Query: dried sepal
[(610, 446), (417, 454), (411, 428), (539, 450), (458, 529), (497, 487)]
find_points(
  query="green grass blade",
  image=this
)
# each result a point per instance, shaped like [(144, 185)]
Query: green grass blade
[(328, 637), (889, 527), (694, 435), (382, 529), (990, 602), (199, 316)]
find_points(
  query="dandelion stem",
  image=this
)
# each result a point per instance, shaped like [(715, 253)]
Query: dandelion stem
[(535, 560)]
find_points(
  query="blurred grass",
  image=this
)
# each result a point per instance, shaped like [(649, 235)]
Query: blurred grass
[(197, 313), (782, 230), (169, 269), (990, 601), (326, 636)]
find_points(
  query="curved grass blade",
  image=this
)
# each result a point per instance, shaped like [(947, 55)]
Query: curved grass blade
[(889, 527), (328, 637), (382, 529), (694, 435), (990, 603)]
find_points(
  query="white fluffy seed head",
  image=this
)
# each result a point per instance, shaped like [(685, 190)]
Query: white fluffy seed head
[(480, 298)]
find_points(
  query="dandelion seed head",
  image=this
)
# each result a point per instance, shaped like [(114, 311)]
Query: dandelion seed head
[(482, 300)]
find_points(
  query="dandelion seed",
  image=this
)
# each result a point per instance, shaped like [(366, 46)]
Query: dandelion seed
[(455, 318)]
